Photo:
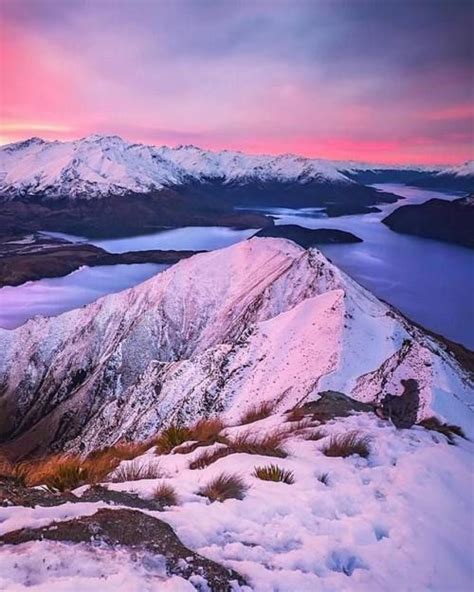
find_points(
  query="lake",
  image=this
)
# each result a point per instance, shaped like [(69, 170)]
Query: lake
[(430, 281), (52, 296)]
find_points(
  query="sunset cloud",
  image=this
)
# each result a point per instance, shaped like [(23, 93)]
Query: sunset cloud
[(357, 79)]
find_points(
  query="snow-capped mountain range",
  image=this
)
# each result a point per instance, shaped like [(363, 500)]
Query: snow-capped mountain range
[(98, 165), (261, 320)]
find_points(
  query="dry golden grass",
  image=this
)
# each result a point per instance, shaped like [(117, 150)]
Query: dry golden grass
[(170, 438), (100, 463), (136, 471), (315, 435), (224, 487), (206, 430), (266, 445), (17, 473), (257, 412), (207, 457), (63, 472), (274, 473), (296, 414), (347, 444), (59, 472), (448, 430), (165, 494)]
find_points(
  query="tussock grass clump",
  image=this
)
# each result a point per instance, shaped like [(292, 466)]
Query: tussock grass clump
[(100, 463), (206, 430), (224, 487), (120, 451), (267, 445), (323, 478), (296, 414), (258, 411), (347, 444), (274, 473), (171, 437), (165, 494), (60, 473), (17, 473), (136, 471), (315, 436), (448, 430), (208, 457)]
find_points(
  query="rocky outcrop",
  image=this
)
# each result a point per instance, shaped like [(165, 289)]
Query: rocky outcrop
[(136, 532), (332, 404)]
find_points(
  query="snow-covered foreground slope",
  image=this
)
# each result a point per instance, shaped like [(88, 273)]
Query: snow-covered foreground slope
[(261, 320), (398, 521), (100, 165)]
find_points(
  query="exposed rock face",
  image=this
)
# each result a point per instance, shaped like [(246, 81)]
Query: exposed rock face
[(450, 221), (307, 237), (137, 532), (261, 320)]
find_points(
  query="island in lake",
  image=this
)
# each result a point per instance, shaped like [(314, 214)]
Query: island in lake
[(449, 221), (307, 237)]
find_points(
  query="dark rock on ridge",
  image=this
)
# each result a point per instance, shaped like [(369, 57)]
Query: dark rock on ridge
[(13, 494), (449, 221), (332, 404), (402, 410), (307, 237), (136, 532)]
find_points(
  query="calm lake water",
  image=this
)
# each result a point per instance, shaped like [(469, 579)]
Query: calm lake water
[(430, 281), (52, 296)]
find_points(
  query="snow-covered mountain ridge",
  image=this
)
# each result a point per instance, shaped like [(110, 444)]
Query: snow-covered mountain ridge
[(260, 320), (98, 165), (101, 165)]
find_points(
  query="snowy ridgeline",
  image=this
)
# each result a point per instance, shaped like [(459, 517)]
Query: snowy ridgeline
[(397, 521), (100, 165), (107, 164), (261, 320)]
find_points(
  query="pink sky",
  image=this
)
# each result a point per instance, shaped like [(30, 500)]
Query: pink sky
[(327, 79)]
